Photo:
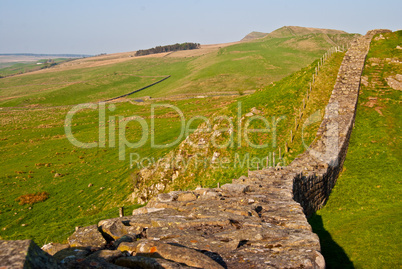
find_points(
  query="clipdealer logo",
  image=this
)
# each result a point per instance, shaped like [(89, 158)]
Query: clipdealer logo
[(107, 126), (329, 148)]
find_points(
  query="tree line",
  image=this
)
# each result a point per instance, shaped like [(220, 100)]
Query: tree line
[(168, 48)]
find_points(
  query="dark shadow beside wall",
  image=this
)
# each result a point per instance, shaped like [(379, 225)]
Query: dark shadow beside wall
[(334, 255)]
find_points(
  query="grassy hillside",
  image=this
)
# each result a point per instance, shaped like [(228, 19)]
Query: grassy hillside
[(88, 184), (228, 151), (361, 224), (9, 69), (37, 157), (234, 69)]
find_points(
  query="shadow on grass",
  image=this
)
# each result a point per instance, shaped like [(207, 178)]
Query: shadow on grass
[(335, 256)]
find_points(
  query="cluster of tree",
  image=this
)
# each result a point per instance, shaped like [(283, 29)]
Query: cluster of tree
[(48, 63), (175, 47)]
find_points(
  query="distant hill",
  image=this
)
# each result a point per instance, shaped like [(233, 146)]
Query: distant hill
[(288, 31), (47, 55), (254, 35), (18, 63)]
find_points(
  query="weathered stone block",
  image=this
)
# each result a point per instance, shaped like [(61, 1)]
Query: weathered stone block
[(87, 236), (74, 252), (183, 255), (145, 210), (130, 247), (107, 255), (236, 188), (186, 197), (53, 248), (113, 228), (148, 263)]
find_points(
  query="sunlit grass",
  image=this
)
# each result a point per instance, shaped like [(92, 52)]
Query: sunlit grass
[(361, 224)]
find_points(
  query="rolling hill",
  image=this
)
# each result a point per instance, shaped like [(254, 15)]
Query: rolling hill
[(289, 31), (212, 70)]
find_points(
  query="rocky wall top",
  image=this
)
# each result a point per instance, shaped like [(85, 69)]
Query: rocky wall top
[(257, 221)]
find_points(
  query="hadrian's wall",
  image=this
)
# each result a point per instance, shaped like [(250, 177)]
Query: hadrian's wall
[(316, 170), (257, 221)]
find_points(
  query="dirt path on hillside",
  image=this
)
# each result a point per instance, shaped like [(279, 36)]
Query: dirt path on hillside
[(329, 40)]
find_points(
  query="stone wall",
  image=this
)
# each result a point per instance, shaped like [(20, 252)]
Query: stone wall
[(257, 221), (317, 169)]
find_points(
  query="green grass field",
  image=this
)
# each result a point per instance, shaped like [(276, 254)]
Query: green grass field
[(360, 227), (33, 148)]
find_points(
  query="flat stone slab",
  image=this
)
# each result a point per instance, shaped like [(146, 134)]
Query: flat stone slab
[(87, 237)]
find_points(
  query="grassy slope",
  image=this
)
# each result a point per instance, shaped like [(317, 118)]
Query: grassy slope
[(238, 68), (88, 85), (33, 148), (284, 98), (242, 67), (361, 224), (279, 100)]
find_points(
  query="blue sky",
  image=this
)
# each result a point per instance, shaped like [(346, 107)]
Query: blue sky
[(102, 26)]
